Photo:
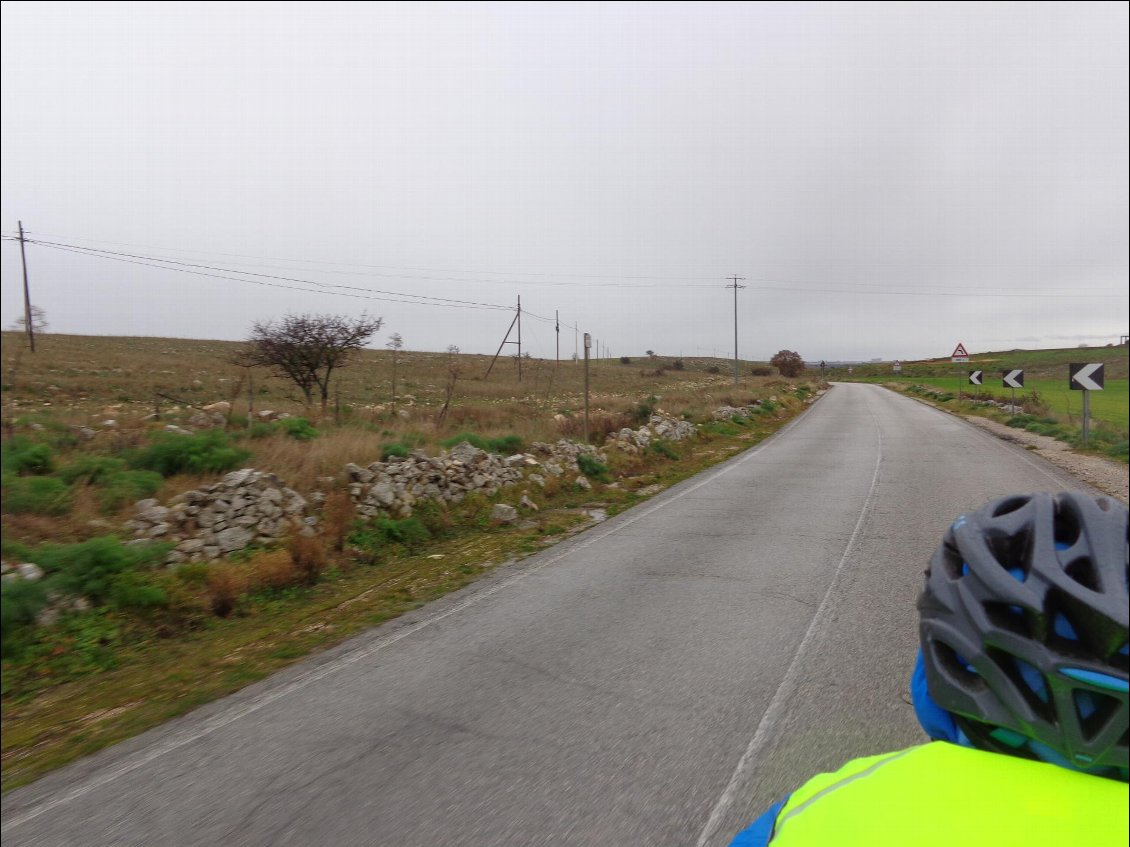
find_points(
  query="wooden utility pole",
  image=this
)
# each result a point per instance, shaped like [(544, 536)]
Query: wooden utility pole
[(735, 286), (519, 338), (27, 293)]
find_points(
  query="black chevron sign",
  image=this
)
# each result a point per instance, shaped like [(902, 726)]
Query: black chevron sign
[(975, 377)]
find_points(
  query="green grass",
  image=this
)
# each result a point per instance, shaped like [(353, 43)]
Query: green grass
[(1108, 405)]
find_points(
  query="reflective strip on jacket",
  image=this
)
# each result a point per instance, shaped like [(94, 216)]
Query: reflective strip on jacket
[(943, 795)]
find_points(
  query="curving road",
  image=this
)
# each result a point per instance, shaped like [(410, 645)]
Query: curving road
[(657, 680)]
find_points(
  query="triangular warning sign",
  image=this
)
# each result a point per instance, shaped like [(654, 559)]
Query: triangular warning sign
[(959, 350)]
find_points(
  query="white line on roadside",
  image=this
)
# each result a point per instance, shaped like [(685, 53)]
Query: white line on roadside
[(789, 681)]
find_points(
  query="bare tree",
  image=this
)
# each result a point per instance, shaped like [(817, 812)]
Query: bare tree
[(307, 349), (394, 343), (38, 321), (454, 371)]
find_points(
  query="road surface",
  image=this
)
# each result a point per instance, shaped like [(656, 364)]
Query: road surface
[(659, 679)]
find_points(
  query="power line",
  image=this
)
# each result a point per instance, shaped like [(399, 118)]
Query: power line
[(400, 298)]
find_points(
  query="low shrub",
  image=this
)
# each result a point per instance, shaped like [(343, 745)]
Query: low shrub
[(662, 448), (713, 369), (274, 569), (20, 602), (36, 495), (338, 513), (91, 469), (101, 569), (678, 365), (299, 429), (643, 411), (408, 532), (226, 584), (21, 456), (505, 444), (202, 452), (308, 553), (761, 370), (592, 467), (393, 449), (624, 360), (128, 487)]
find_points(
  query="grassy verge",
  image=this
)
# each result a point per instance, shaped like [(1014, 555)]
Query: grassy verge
[(1108, 439), (126, 678)]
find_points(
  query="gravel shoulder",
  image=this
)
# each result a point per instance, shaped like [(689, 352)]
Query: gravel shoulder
[(1106, 475)]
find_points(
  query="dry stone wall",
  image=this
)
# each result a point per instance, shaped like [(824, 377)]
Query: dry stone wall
[(246, 507)]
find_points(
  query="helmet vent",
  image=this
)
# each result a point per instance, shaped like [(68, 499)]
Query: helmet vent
[(1067, 529), (1028, 682), (1094, 710), (1083, 572), (957, 668), (1012, 552), (1010, 505), (1009, 617), (952, 562)]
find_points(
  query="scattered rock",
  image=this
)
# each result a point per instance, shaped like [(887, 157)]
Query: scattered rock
[(502, 513)]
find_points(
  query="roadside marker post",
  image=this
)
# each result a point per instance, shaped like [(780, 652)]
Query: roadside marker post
[(975, 379), (588, 346), (1086, 377), (1013, 379)]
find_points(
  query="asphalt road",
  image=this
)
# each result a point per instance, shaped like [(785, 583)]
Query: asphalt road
[(658, 680)]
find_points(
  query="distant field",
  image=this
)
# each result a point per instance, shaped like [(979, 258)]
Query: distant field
[(1109, 405), (1037, 364)]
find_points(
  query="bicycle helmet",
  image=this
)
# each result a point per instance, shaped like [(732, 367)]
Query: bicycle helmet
[(1023, 626)]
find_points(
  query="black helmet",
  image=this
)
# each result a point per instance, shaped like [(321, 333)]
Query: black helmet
[(1024, 628)]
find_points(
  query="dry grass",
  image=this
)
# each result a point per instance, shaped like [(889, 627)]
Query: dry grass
[(82, 381)]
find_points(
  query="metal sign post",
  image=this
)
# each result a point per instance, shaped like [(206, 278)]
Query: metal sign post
[(1086, 378), (588, 346), (975, 379), (1013, 379)]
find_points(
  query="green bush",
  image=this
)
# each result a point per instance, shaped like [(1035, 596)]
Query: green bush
[(20, 602), (37, 495), (299, 429), (505, 444), (92, 469), (102, 569), (592, 467), (20, 456), (372, 536), (643, 411), (470, 437), (202, 452), (128, 487), (721, 428), (393, 449), (662, 448), (262, 430), (409, 532)]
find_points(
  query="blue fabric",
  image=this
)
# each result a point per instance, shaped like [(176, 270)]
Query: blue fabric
[(758, 833), (938, 723)]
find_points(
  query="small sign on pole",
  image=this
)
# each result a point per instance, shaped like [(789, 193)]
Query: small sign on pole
[(960, 354), (897, 366), (1086, 377)]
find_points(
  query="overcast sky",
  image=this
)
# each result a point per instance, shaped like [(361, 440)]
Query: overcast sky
[(889, 179)]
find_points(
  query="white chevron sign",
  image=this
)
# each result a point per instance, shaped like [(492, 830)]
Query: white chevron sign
[(1013, 379), (1086, 377), (975, 377)]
